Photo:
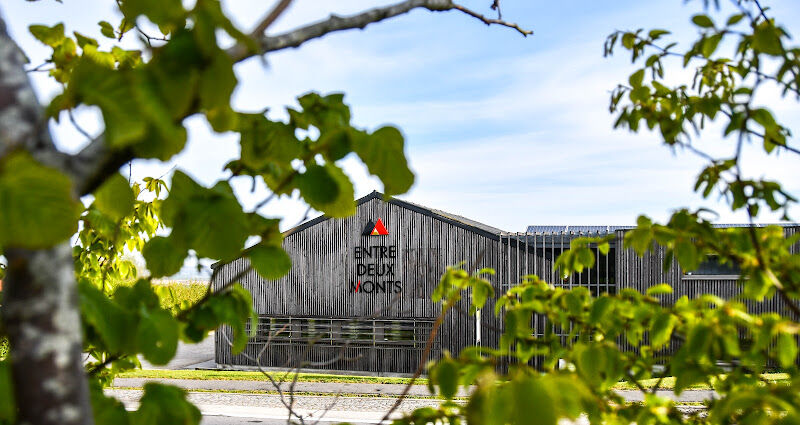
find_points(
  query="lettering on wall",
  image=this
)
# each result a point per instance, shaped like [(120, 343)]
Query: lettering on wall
[(376, 266)]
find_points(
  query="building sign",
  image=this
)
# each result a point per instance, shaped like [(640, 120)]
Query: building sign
[(376, 265), (375, 229)]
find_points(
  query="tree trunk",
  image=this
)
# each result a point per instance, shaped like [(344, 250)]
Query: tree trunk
[(40, 300), (40, 311)]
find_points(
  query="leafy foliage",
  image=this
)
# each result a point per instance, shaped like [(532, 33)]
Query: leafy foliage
[(36, 204), (591, 343), (144, 96)]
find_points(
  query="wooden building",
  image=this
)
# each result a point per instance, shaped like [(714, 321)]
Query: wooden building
[(358, 294)]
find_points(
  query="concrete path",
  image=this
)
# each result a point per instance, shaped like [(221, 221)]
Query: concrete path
[(189, 356)]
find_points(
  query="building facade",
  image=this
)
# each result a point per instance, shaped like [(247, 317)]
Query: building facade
[(358, 295)]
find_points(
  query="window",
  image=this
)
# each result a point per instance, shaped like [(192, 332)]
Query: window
[(380, 333), (713, 266)]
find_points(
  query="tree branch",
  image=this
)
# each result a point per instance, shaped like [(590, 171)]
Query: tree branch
[(297, 37), (92, 165), (270, 18)]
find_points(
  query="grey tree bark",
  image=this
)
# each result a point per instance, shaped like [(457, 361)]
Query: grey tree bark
[(41, 316), (40, 301)]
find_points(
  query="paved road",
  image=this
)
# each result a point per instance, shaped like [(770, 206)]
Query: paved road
[(189, 356)]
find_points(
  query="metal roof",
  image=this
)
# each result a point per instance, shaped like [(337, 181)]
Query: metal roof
[(463, 222), (610, 229), (576, 229)]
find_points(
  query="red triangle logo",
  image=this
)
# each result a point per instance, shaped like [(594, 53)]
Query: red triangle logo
[(379, 229)]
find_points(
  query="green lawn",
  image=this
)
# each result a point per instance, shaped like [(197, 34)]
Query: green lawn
[(227, 375)]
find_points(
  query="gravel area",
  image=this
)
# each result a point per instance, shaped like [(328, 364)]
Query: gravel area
[(305, 387)]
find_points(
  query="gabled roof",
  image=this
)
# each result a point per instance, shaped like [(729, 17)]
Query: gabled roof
[(456, 220)]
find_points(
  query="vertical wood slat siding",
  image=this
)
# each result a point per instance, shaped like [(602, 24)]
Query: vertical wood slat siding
[(317, 286)]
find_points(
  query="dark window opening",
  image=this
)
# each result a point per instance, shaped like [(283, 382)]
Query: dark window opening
[(713, 266), (600, 279)]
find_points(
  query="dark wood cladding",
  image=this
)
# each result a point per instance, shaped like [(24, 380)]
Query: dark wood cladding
[(318, 286), (312, 318)]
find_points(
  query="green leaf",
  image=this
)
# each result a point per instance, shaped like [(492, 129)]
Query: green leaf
[(233, 307), (661, 330), (107, 318), (786, 350), (447, 378), (115, 198), (702, 21), (734, 19), (328, 189), (533, 405), (165, 405), (107, 30), (264, 141), (698, 341), (660, 289), (317, 186), (50, 36), (84, 42), (217, 83), (163, 256), (196, 214), (107, 410), (636, 78), (766, 40), (687, 255), (383, 154), (7, 405), (710, 44), (37, 207), (160, 12), (270, 261), (590, 361), (157, 336), (600, 308), (110, 90)]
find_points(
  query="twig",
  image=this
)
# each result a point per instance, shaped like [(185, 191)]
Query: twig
[(297, 37), (496, 6), (78, 127), (40, 67), (270, 18), (489, 21)]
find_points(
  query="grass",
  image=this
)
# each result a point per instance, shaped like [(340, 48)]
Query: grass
[(173, 296), (229, 375), (233, 375), (3, 348)]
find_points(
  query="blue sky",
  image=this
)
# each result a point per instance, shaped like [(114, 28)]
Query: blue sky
[(506, 130)]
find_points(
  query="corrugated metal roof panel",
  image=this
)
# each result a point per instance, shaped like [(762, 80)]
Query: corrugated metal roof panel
[(576, 229), (608, 229)]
